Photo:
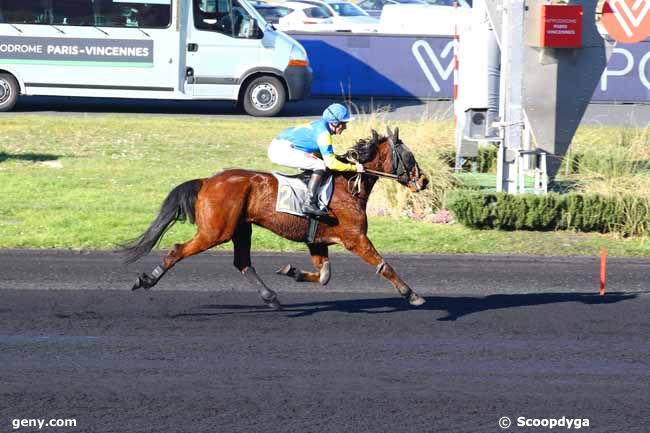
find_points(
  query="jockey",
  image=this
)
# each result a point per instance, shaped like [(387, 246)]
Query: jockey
[(309, 147)]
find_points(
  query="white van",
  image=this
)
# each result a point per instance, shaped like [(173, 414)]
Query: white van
[(152, 49)]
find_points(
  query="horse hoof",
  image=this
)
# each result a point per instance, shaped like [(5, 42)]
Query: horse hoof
[(416, 300), (142, 282), (137, 284), (287, 270), (273, 305)]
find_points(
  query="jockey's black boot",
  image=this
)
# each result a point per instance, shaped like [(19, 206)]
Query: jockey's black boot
[(311, 206)]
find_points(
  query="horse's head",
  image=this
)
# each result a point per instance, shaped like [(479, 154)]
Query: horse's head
[(403, 163), (389, 155)]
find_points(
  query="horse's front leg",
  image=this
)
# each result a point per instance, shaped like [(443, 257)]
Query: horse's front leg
[(362, 247), (319, 256), (242, 241)]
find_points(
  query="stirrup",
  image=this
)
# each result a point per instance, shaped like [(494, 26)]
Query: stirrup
[(311, 210)]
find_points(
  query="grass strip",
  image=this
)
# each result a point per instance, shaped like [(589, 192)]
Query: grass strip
[(94, 182)]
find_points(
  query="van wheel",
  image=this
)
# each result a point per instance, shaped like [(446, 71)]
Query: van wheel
[(264, 97), (9, 91)]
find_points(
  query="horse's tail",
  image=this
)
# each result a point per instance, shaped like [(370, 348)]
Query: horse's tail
[(178, 206)]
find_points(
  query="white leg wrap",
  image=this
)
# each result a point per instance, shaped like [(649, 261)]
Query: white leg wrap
[(325, 273)]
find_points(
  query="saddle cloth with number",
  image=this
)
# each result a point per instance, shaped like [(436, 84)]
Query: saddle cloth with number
[(292, 193)]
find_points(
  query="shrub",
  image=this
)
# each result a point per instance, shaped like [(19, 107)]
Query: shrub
[(485, 161), (626, 215)]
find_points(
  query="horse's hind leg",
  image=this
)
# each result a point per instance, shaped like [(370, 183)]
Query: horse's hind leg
[(241, 240), (321, 261), (200, 242)]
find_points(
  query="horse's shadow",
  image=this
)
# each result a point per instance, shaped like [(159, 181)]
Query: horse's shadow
[(455, 306), (33, 157)]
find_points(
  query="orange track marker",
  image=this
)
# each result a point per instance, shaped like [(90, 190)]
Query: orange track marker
[(603, 270)]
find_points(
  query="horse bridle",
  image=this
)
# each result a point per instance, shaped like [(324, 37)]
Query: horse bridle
[(398, 169)]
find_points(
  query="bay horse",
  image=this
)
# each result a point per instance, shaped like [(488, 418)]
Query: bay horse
[(225, 206)]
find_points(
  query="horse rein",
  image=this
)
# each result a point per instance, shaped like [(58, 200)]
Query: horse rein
[(380, 174), (375, 172)]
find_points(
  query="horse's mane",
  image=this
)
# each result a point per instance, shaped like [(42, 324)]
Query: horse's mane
[(365, 149)]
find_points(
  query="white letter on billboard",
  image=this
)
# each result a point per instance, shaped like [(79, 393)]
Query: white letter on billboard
[(444, 73), (642, 76), (609, 73)]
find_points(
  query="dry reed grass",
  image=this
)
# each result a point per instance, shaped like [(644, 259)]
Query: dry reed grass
[(612, 161), (429, 139), (615, 162)]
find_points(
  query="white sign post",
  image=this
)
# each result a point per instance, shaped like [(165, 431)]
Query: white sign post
[(511, 96)]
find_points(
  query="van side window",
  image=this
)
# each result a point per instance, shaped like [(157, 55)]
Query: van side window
[(133, 13), (73, 12), (219, 16), (102, 13), (24, 12)]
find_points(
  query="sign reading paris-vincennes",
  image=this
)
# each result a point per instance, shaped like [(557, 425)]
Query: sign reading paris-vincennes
[(128, 52)]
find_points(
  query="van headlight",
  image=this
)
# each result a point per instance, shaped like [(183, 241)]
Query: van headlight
[(298, 56)]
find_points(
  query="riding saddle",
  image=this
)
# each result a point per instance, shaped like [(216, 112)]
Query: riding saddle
[(292, 192)]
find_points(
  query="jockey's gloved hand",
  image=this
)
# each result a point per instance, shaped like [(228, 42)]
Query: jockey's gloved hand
[(360, 167)]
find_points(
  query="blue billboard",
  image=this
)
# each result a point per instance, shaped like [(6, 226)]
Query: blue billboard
[(626, 76), (380, 65), (422, 67)]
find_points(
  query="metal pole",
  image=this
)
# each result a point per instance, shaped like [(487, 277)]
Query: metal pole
[(458, 131), (511, 97)]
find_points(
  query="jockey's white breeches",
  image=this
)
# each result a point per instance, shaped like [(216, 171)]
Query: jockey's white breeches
[(282, 152)]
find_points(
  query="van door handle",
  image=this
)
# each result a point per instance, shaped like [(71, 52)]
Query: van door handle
[(193, 47)]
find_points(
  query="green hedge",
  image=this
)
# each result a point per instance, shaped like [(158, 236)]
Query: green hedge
[(581, 212)]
